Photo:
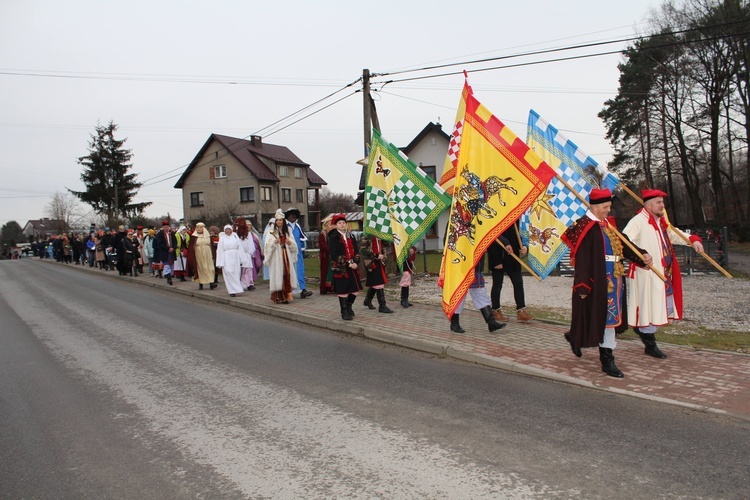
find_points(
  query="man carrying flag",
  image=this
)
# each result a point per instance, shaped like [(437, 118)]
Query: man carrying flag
[(494, 178), (598, 284)]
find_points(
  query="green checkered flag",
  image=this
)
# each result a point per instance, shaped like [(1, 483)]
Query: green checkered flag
[(401, 201)]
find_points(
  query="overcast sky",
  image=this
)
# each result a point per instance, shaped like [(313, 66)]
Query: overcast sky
[(170, 73)]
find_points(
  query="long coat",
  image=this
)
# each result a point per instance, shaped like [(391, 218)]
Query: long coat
[(274, 260), (647, 294), (589, 314), (162, 243), (345, 279)]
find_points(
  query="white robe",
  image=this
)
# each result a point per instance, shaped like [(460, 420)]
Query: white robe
[(647, 297), (231, 258), (274, 261)]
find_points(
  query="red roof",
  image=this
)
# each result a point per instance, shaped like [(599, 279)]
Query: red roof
[(248, 155)]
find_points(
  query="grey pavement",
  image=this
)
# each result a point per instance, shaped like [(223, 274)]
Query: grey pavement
[(704, 380)]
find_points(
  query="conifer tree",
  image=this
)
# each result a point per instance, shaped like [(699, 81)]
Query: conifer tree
[(110, 189)]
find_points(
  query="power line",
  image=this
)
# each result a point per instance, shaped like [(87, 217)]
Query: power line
[(558, 59), (229, 149), (567, 48)]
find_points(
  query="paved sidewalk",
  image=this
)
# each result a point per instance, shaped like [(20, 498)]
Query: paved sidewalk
[(710, 381)]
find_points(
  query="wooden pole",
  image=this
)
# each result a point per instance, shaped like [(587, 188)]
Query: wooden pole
[(520, 261), (617, 232), (680, 234)]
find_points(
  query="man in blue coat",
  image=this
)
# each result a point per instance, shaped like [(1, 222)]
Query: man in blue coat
[(292, 215)]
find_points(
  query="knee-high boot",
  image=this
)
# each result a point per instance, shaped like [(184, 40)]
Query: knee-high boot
[(381, 302), (368, 298), (489, 318), (344, 309), (649, 340), (405, 297), (608, 363), (349, 302), (455, 325)]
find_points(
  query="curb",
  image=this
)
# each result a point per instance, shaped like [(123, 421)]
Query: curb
[(434, 348)]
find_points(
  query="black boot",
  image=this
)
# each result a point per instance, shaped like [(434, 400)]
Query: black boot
[(576, 350), (455, 326), (200, 286), (182, 278), (608, 363), (368, 298), (212, 285), (489, 318), (381, 302), (649, 340), (407, 298), (404, 297), (344, 309), (169, 278), (349, 301)]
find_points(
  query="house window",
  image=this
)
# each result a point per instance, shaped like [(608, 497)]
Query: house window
[(247, 194), (283, 171), (219, 172), (297, 172), (300, 196), (286, 195), (265, 193), (196, 199)]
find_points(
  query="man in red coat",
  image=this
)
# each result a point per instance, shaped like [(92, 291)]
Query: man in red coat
[(598, 309)]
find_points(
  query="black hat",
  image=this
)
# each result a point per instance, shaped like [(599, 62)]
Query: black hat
[(292, 210)]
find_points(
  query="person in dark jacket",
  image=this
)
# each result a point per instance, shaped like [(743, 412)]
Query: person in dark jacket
[(502, 262), (164, 245)]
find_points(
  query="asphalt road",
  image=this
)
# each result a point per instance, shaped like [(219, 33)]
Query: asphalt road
[(113, 390)]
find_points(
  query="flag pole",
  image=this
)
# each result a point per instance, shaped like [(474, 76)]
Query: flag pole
[(617, 231), (681, 235), (520, 261)]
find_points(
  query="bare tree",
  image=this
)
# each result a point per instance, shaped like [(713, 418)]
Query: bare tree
[(331, 202), (63, 209)]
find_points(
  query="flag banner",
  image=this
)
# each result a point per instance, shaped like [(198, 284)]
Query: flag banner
[(401, 201), (496, 178), (557, 208)]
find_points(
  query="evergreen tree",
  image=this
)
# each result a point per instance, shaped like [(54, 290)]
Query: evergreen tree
[(11, 235), (110, 189)]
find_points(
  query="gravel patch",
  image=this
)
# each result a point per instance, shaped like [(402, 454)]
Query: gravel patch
[(710, 301)]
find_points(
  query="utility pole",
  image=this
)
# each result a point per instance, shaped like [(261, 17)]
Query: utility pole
[(370, 116)]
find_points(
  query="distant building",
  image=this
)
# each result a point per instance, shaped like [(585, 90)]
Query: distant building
[(43, 228), (249, 178)]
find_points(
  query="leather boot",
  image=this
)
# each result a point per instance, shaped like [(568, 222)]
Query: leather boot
[(368, 298), (608, 363), (455, 326), (576, 350), (381, 302), (169, 278), (489, 318), (344, 309), (349, 301), (405, 297), (649, 340), (499, 315)]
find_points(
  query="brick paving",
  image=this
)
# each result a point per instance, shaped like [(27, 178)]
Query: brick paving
[(704, 380)]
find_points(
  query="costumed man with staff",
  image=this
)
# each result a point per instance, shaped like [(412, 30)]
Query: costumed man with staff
[(598, 302), (652, 302)]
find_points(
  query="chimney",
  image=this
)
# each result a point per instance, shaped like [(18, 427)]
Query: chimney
[(256, 141)]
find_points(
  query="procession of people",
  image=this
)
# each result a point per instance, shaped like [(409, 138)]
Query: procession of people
[(607, 297)]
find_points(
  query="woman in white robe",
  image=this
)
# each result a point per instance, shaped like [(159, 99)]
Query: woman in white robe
[(230, 257), (281, 257)]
